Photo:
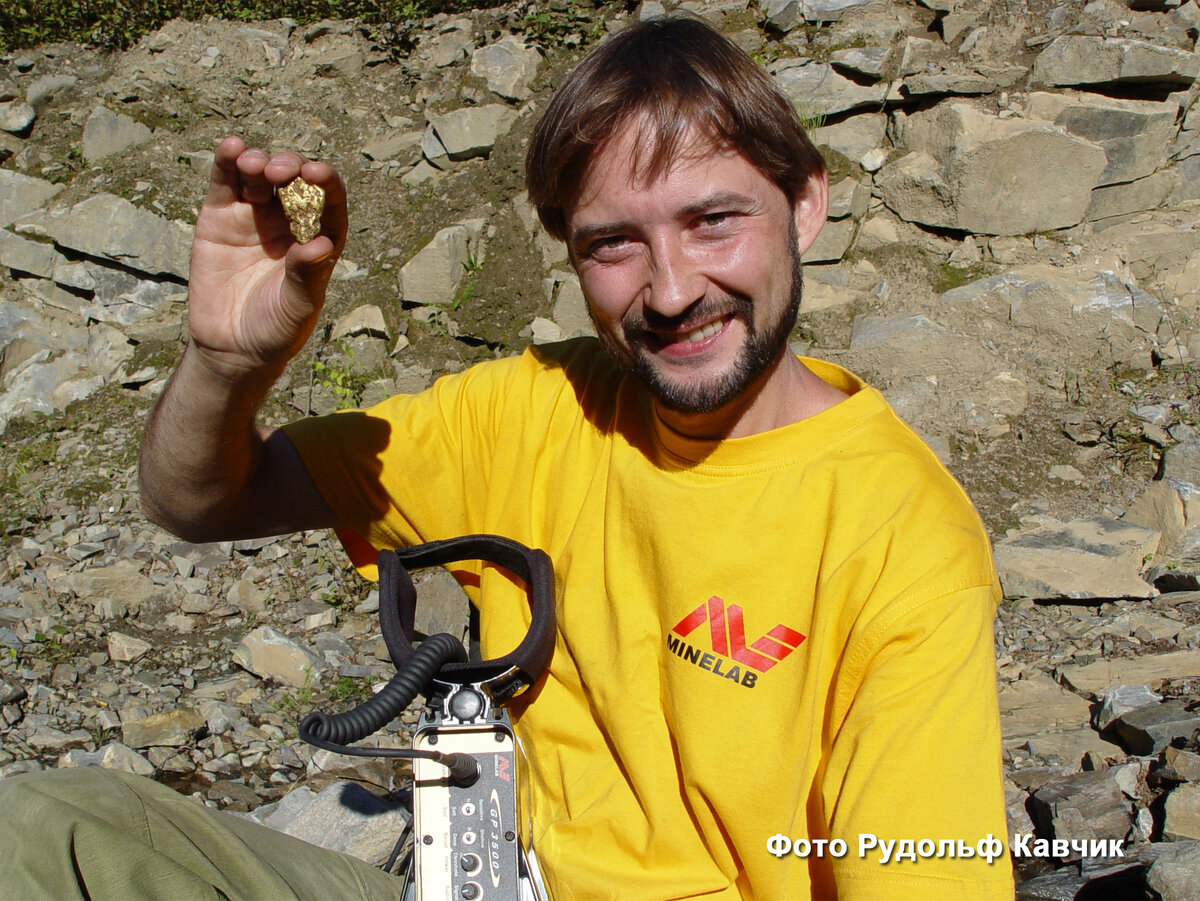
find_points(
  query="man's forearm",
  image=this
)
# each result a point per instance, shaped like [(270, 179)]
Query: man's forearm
[(200, 452)]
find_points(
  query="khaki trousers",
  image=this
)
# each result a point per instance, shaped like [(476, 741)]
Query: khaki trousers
[(99, 834)]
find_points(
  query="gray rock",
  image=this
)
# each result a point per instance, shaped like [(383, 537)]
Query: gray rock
[(404, 147), (110, 227), (1175, 875), (467, 133), (22, 194), (441, 604), (508, 66), (46, 88), (32, 257), (107, 133), (343, 817), (122, 581), (970, 170), (363, 320), (1122, 699), (1085, 558), (1133, 133), (1149, 193), (1182, 813), (1083, 806), (1150, 728), (434, 274), (17, 117), (451, 44), (817, 90), (1086, 60), (1094, 679), (854, 138), (271, 655), (174, 728), (874, 62), (124, 648)]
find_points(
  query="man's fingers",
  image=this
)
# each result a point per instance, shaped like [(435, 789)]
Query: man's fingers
[(225, 184)]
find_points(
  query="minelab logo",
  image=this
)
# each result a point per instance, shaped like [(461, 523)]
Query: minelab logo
[(731, 657)]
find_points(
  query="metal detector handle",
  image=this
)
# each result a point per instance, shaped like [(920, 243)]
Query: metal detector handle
[(502, 677)]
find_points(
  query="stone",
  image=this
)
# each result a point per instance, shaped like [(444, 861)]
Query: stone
[(1182, 813), (1078, 59), (1175, 875), (124, 648), (122, 581), (1133, 133), (22, 194), (116, 756), (343, 817), (271, 655), (364, 320), (1163, 509), (17, 117), (110, 227), (1091, 314), (854, 138), (1138, 196), (174, 728), (817, 90), (32, 257), (303, 204), (450, 45), (570, 311), (1094, 679), (441, 604), (873, 62), (971, 170), (107, 133), (508, 66), (45, 89), (1122, 699), (405, 147), (1084, 558), (1180, 766), (434, 274), (466, 133), (1150, 728), (832, 242), (1088, 805), (1039, 710)]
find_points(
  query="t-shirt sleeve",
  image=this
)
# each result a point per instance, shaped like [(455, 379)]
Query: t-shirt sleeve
[(917, 757), (411, 469)]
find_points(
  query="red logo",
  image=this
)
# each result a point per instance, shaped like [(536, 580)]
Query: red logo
[(503, 768), (727, 632)]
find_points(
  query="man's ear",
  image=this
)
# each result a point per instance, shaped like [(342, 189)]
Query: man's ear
[(810, 210)]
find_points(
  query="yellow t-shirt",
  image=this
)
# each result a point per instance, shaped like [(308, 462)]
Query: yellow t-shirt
[(784, 634)]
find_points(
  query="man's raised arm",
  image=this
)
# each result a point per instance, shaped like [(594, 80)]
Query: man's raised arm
[(208, 472)]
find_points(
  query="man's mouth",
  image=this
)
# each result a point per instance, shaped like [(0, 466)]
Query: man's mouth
[(690, 335)]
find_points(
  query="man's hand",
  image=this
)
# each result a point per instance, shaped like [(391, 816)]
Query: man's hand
[(254, 293)]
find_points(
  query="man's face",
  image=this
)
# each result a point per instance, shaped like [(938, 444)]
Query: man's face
[(692, 280)]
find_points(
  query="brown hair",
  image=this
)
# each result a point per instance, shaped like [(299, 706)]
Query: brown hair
[(678, 73)]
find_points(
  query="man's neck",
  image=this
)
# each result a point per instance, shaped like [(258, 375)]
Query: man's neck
[(788, 392)]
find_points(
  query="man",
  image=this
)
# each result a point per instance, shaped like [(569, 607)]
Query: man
[(774, 604)]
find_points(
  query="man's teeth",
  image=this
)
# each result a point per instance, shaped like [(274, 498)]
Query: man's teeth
[(703, 332)]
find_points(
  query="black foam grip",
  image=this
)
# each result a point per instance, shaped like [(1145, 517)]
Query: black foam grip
[(397, 602)]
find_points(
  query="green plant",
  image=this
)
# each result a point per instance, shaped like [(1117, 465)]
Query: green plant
[(466, 288), (52, 648), (338, 379), (346, 688)]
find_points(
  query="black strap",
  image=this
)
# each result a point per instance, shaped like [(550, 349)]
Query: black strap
[(502, 676)]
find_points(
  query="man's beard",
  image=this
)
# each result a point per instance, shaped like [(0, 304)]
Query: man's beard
[(760, 351)]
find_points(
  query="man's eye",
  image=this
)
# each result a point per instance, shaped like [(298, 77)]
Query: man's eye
[(607, 246), (713, 220)]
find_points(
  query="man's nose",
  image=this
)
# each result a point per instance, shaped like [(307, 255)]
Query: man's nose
[(676, 280)]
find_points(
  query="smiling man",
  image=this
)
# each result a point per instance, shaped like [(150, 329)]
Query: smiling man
[(773, 674)]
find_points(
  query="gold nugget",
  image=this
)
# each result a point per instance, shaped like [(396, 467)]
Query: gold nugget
[(302, 204)]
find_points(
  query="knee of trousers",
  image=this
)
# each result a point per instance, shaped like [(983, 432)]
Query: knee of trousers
[(51, 802)]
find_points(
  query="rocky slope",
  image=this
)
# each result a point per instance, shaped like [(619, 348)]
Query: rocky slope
[(1011, 257)]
